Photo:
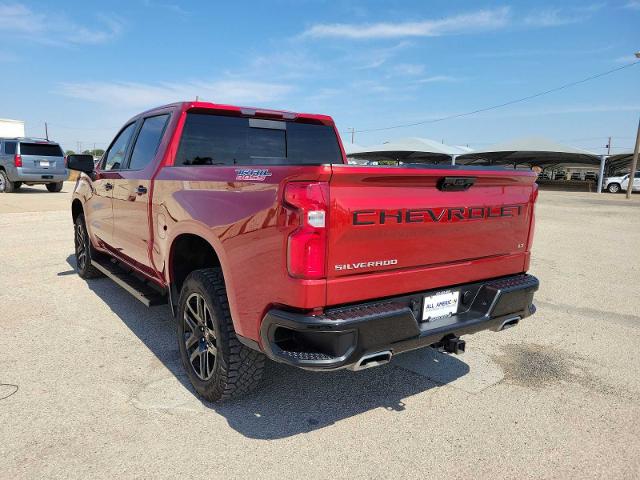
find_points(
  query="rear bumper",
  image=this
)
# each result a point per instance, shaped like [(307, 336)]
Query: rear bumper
[(19, 175), (340, 337)]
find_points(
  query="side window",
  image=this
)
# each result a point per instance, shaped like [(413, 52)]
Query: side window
[(10, 148), (148, 141), (637, 175), (115, 156)]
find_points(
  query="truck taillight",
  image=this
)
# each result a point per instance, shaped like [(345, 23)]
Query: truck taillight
[(17, 160), (307, 245)]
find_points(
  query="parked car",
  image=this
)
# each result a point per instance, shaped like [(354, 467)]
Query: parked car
[(576, 176), (621, 182), (591, 176), (251, 226), (544, 176), (561, 175), (31, 161)]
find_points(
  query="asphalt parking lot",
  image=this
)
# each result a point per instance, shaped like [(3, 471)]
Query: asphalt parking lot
[(92, 386)]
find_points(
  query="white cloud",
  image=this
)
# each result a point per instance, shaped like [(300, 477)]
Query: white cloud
[(437, 78), (56, 29), (375, 58), (407, 69), (481, 20), (130, 95), (171, 7), (556, 17)]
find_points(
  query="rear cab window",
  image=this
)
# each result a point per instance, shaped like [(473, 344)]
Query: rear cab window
[(211, 139), (41, 149)]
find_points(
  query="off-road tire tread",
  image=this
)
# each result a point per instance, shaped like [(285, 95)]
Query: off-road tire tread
[(240, 368)]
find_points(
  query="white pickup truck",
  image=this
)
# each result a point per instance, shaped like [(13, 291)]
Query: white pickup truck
[(615, 184)]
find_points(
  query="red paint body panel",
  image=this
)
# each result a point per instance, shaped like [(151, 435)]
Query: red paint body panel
[(248, 227)]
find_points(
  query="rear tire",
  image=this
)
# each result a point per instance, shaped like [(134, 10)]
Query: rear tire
[(84, 251), (218, 365), (6, 186), (54, 187), (17, 185), (613, 188)]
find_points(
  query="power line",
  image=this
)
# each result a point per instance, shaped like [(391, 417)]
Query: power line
[(501, 105)]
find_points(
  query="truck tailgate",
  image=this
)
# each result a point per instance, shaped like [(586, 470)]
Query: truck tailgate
[(403, 219)]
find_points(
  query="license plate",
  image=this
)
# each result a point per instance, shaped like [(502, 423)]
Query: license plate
[(44, 163), (441, 304)]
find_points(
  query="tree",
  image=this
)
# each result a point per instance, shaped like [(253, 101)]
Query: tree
[(96, 153), (69, 152)]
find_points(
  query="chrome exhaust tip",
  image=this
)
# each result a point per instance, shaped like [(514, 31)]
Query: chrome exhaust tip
[(372, 360), (510, 322)]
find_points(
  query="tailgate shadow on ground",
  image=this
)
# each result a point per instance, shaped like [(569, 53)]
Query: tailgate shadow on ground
[(289, 401)]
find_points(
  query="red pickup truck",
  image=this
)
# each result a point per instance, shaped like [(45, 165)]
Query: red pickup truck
[(263, 241)]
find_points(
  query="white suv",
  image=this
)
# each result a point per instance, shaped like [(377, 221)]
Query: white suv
[(615, 184)]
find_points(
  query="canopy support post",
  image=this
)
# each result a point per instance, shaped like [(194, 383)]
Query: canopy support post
[(603, 160), (453, 159)]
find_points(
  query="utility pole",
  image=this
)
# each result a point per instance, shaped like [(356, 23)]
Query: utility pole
[(603, 161), (353, 132), (634, 162), (46, 131)]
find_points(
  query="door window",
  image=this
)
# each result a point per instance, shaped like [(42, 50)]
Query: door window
[(148, 141), (116, 155)]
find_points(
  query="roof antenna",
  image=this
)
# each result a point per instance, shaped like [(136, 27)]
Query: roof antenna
[(197, 98)]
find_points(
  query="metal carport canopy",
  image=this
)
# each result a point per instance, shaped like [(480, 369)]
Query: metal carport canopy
[(413, 148), (531, 151), (619, 161)]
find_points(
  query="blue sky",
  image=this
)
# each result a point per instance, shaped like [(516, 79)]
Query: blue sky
[(86, 67)]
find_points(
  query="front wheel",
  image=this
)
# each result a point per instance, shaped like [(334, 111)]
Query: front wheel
[(613, 188), (54, 187), (218, 365)]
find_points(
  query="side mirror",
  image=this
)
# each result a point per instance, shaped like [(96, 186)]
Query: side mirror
[(81, 163)]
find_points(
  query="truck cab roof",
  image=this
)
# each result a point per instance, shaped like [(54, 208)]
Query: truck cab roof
[(239, 110)]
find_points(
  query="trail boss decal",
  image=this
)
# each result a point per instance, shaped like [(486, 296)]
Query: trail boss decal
[(356, 266), (434, 215), (252, 174)]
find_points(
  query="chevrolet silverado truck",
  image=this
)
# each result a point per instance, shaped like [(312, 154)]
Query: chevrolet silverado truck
[(264, 242)]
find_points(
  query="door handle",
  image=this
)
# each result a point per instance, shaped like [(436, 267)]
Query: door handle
[(141, 190), (108, 186)]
